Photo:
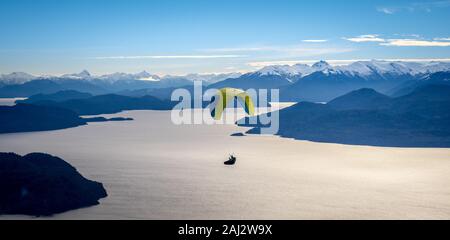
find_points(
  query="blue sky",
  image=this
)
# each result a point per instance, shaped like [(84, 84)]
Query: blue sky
[(205, 36)]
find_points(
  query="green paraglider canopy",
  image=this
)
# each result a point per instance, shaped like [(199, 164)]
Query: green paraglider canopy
[(225, 95)]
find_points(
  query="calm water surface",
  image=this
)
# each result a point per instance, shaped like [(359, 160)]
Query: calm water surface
[(153, 169), (9, 101)]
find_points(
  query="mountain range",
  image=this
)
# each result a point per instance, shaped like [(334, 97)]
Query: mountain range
[(22, 77), (24, 85), (383, 76), (322, 82), (319, 82)]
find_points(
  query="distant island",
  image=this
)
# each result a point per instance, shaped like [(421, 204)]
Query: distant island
[(30, 118), (366, 117), (64, 109), (103, 119), (39, 184), (237, 135)]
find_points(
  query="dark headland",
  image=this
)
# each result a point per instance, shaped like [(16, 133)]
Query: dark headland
[(239, 134), (366, 117), (39, 184)]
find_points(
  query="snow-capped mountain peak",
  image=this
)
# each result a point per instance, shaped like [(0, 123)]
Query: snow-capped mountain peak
[(294, 70), (16, 77), (82, 75), (144, 75), (276, 70), (321, 65), (119, 76), (364, 68), (358, 68)]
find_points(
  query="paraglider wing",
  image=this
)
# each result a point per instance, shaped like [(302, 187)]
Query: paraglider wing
[(226, 95)]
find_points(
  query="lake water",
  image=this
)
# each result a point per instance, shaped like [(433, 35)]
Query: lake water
[(153, 169), (9, 101)]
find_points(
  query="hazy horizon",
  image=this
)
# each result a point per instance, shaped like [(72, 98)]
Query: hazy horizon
[(257, 66)]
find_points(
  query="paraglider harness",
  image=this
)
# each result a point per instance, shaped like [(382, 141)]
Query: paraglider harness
[(231, 160)]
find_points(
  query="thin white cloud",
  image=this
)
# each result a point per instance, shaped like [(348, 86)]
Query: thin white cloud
[(288, 50), (170, 57), (414, 7), (411, 35), (414, 43), (386, 10), (343, 61), (315, 40), (365, 38), (240, 49), (314, 51), (402, 42)]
